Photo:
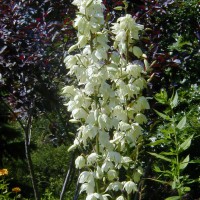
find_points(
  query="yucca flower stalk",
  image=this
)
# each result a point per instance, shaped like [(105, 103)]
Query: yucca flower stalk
[(107, 102)]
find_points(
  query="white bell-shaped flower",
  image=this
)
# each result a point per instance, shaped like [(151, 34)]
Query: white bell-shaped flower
[(92, 158), (80, 162), (130, 187), (112, 174)]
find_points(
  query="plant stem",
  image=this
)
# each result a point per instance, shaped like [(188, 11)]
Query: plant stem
[(97, 145), (176, 170), (97, 150), (67, 178), (127, 46)]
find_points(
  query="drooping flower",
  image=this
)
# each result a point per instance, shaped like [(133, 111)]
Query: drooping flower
[(112, 174), (115, 186), (120, 198), (86, 177), (94, 196), (92, 158), (134, 70), (80, 162), (107, 165), (87, 187), (98, 173), (140, 118), (114, 156), (130, 187)]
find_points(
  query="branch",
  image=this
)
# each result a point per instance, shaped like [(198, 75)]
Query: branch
[(67, 178), (28, 156), (76, 195)]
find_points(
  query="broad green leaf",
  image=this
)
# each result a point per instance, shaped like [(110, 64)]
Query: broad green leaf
[(182, 123), (184, 163), (137, 51), (174, 101), (186, 144), (166, 117), (161, 157), (173, 198)]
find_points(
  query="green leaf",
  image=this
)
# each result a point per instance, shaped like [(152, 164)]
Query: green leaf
[(184, 163), (65, 38), (173, 184), (166, 117), (173, 198), (118, 8), (182, 123), (162, 97), (197, 161), (186, 144), (161, 157), (157, 169), (137, 51), (186, 189), (157, 142), (168, 153), (174, 101), (167, 173)]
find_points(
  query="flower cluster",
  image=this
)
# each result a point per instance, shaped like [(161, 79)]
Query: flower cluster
[(3, 172), (16, 190), (126, 31), (107, 101)]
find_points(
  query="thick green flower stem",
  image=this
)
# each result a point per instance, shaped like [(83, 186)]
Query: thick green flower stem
[(127, 47), (97, 146), (129, 197)]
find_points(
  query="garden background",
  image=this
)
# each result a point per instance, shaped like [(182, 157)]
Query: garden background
[(35, 132)]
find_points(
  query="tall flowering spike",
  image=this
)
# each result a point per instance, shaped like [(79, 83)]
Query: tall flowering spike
[(107, 101)]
